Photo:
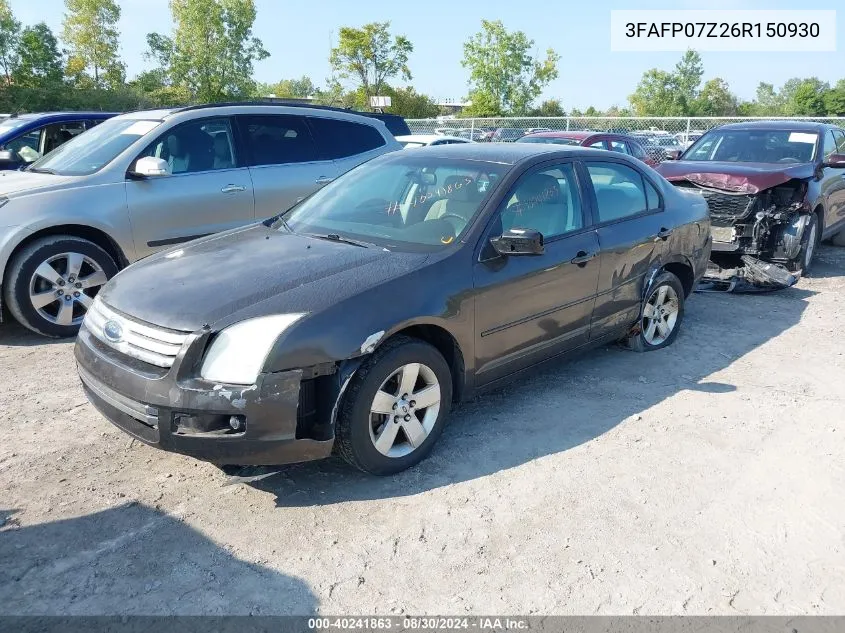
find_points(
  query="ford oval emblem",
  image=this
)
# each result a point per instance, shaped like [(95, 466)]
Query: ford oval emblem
[(113, 331)]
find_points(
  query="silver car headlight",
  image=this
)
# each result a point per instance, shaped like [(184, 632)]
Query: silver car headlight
[(238, 352)]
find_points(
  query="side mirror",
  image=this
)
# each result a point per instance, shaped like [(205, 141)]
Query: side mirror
[(835, 160), (6, 156), (519, 242), (151, 167)]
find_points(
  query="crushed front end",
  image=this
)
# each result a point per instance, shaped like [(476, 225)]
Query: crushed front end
[(762, 228)]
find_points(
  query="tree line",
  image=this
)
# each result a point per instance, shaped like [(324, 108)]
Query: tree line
[(210, 53)]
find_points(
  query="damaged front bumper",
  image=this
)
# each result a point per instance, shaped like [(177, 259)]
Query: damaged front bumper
[(277, 420), (753, 275)]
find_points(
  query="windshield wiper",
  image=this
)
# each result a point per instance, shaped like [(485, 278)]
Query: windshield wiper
[(42, 170), (334, 237)]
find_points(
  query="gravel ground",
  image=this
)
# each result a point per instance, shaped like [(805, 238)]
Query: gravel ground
[(706, 478)]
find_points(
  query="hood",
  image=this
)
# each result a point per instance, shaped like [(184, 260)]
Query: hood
[(249, 272), (13, 181), (747, 178)]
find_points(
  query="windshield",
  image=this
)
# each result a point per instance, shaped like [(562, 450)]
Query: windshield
[(553, 140), (667, 141), (9, 125), (94, 149), (755, 146), (410, 203)]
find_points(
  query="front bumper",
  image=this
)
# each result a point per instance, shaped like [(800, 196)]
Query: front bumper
[(173, 411)]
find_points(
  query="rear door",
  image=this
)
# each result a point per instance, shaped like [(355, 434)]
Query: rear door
[(632, 228), (209, 190), (531, 307), (283, 159), (346, 143)]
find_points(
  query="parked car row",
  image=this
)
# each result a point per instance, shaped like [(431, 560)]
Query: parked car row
[(386, 285)]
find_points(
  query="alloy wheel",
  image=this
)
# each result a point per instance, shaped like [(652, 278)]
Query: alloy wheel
[(63, 287), (404, 410), (660, 315)]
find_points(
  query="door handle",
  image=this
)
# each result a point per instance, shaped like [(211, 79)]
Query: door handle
[(582, 258), (232, 189), (664, 233), (322, 180)]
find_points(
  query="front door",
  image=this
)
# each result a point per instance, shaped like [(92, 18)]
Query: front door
[(209, 190), (531, 307), (631, 229), (833, 181)]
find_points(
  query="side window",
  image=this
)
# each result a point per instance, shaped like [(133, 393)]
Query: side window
[(637, 150), (839, 135), (829, 144), (619, 190), (546, 201), (196, 146), (26, 147), (598, 145), (278, 139), (60, 133), (652, 197), (339, 139), (619, 146)]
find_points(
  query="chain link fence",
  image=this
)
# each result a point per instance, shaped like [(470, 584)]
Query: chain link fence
[(660, 136)]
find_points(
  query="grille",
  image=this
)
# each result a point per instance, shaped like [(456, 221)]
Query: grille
[(726, 204), (148, 343)]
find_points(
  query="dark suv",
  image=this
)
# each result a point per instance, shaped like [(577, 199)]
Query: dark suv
[(775, 188)]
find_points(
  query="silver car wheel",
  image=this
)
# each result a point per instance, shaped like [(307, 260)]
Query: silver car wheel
[(811, 246), (660, 315), (404, 410), (63, 287)]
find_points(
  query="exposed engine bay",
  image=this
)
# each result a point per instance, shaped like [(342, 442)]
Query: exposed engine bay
[(757, 237)]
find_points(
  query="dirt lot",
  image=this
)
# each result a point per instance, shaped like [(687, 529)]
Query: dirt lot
[(706, 478)]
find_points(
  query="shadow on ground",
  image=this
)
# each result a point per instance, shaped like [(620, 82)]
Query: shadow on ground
[(103, 564), (564, 404)]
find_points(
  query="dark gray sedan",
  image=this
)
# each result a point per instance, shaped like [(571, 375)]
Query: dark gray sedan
[(359, 317)]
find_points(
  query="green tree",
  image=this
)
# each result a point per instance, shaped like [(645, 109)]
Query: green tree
[(688, 74), (482, 104), (370, 56), (805, 97), (410, 104), (298, 88), (768, 102), (211, 52), (834, 99), (504, 77), (10, 30), (40, 61), (90, 30), (550, 107), (658, 94), (715, 99)]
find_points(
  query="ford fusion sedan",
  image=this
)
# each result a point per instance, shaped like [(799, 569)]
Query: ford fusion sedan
[(358, 318), (775, 188), (143, 181)]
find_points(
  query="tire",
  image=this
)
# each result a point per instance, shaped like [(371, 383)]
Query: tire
[(648, 338), (360, 430), (810, 239), (64, 254)]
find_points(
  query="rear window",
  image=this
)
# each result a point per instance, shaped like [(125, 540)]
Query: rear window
[(395, 124), (339, 139), (278, 139)]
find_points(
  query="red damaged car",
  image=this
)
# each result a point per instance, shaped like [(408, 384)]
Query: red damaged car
[(775, 188)]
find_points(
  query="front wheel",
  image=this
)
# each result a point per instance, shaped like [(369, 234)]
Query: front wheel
[(662, 315), (52, 282), (395, 407), (809, 242)]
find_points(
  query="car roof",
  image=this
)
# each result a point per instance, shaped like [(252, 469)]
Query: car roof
[(33, 116), (579, 135), (503, 153), (777, 124)]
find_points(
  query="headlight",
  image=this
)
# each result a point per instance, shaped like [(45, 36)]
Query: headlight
[(239, 351)]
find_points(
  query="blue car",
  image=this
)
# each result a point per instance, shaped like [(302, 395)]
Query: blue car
[(24, 138)]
